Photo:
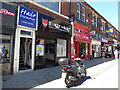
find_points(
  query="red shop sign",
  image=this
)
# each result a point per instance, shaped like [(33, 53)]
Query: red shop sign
[(6, 12)]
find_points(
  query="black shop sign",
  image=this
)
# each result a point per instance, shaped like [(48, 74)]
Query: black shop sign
[(8, 18)]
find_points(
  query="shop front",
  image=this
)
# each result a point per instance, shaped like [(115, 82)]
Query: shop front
[(96, 49), (51, 41), (7, 30), (82, 43), (25, 40), (105, 47), (95, 44), (115, 44)]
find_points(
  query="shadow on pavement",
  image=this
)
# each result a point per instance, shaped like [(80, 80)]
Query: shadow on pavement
[(32, 79), (79, 82)]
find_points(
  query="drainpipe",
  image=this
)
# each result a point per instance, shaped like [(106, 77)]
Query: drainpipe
[(70, 7)]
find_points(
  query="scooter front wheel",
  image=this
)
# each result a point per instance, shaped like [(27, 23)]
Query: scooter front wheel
[(69, 82)]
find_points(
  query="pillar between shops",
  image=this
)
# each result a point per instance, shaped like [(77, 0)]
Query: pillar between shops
[(77, 49), (85, 52), (90, 48)]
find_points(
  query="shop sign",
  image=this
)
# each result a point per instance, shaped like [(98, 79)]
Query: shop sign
[(27, 17), (92, 33), (6, 12), (58, 27), (109, 30), (7, 18), (96, 42), (44, 22), (104, 40)]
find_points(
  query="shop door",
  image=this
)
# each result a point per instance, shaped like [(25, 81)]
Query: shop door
[(24, 51)]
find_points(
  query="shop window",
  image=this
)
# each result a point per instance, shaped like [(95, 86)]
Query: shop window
[(26, 33), (82, 48), (78, 11), (5, 41), (61, 48), (86, 48)]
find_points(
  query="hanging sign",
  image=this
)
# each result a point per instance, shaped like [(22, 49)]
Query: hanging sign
[(104, 40), (109, 30), (27, 17)]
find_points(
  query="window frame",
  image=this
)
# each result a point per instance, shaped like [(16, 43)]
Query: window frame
[(78, 11), (83, 14), (93, 19)]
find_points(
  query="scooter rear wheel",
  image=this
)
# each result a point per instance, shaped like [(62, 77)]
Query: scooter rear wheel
[(69, 82)]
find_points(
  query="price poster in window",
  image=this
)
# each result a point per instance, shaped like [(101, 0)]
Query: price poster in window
[(39, 50)]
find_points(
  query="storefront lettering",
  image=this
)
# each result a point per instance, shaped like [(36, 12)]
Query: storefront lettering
[(58, 26), (27, 15), (82, 35), (25, 12), (6, 12)]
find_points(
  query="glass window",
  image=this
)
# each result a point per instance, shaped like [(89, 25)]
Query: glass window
[(78, 11), (82, 48), (102, 27), (26, 33), (51, 4), (93, 22), (83, 14), (5, 47), (96, 22), (61, 48)]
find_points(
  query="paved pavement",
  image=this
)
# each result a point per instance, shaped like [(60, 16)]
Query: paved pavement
[(38, 77), (104, 75)]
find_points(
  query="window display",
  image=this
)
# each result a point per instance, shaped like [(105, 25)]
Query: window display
[(61, 48), (5, 46), (40, 48)]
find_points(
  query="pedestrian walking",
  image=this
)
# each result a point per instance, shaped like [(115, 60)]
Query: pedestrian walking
[(116, 54), (103, 53)]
